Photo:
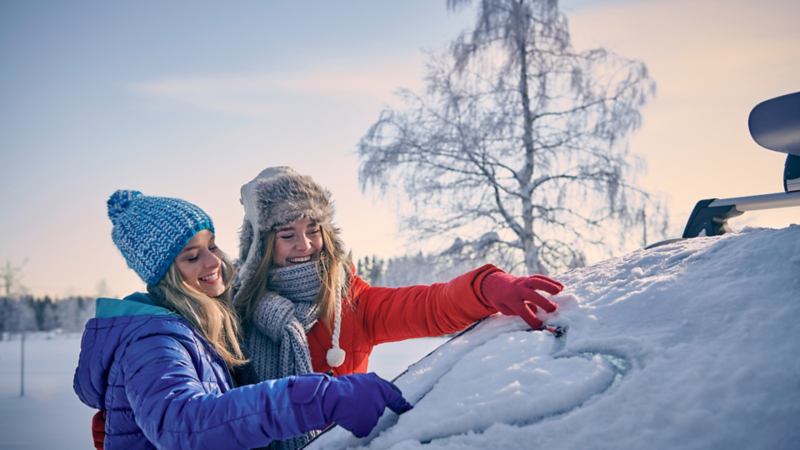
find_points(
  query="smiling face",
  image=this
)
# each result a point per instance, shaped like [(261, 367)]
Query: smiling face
[(297, 243), (200, 264)]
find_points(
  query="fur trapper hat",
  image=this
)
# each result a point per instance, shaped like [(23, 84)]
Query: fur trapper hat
[(279, 196)]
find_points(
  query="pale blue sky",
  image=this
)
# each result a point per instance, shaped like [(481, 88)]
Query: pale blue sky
[(192, 100)]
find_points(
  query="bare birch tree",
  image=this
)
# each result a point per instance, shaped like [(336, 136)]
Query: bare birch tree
[(11, 278), (519, 141)]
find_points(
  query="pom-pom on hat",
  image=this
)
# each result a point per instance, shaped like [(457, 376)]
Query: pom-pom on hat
[(151, 231)]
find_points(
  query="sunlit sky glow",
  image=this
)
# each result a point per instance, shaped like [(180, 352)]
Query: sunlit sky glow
[(192, 101)]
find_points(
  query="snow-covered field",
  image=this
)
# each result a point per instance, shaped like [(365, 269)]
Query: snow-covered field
[(690, 345), (50, 416)]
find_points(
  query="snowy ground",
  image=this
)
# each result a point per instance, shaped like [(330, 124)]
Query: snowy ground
[(50, 416), (690, 345)]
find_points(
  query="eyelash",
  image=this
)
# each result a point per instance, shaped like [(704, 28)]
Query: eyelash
[(212, 249), (290, 236)]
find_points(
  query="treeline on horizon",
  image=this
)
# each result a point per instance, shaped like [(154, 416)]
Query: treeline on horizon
[(25, 313)]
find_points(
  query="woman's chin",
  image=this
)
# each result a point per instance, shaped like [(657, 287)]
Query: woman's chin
[(213, 291)]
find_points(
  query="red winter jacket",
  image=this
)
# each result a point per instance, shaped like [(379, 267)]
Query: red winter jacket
[(375, 315)]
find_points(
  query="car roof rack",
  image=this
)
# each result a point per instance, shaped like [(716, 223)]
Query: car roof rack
[(775, 125)]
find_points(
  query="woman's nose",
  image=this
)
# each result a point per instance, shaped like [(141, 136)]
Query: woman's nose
[(211, 261), (303, 244)]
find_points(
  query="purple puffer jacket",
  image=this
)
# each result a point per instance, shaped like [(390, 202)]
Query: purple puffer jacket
[(163, 387)]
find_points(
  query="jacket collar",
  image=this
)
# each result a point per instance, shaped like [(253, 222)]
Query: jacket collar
[(136, 304)]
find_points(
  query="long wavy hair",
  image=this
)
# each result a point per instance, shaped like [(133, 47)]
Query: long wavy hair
[(334, 281), (212, 317)]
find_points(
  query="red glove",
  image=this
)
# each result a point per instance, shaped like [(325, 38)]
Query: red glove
[(517, 296), (99, 429)]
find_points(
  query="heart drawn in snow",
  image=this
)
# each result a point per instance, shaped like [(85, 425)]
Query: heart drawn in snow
[(510, 379)]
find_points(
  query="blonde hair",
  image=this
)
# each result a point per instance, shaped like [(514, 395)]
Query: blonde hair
[(333, 281), (212, 317)]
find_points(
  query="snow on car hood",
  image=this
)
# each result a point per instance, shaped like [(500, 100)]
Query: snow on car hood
[(695, 344)]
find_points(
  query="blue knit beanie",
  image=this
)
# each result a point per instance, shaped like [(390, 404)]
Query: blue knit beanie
[(151, 231)]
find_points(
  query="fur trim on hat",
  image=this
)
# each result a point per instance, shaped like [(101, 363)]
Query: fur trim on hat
[(284, 196)]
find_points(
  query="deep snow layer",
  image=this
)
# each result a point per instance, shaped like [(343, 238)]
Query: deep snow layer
[(695, 344)]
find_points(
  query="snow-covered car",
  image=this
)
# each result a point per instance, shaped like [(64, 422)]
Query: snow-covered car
[(691, 344)]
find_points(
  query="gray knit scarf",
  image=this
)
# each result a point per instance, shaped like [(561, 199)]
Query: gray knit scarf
[(276, 341)]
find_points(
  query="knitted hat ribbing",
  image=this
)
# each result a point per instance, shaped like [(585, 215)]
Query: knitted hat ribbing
[(151, 231)]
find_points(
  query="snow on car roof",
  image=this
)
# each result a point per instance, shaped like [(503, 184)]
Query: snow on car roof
[(695, 344)]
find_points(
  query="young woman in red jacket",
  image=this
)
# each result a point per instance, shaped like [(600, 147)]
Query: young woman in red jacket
[(303, 309)]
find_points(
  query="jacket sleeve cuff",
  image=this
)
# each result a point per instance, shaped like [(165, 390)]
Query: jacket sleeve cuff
[(306, 395), (477, 276)]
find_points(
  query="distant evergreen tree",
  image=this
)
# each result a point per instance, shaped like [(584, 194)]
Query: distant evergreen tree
[(22, 314), (370, 269), (19, 314)]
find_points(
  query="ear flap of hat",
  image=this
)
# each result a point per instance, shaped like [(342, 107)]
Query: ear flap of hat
[(338, 250), (249, 254)]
